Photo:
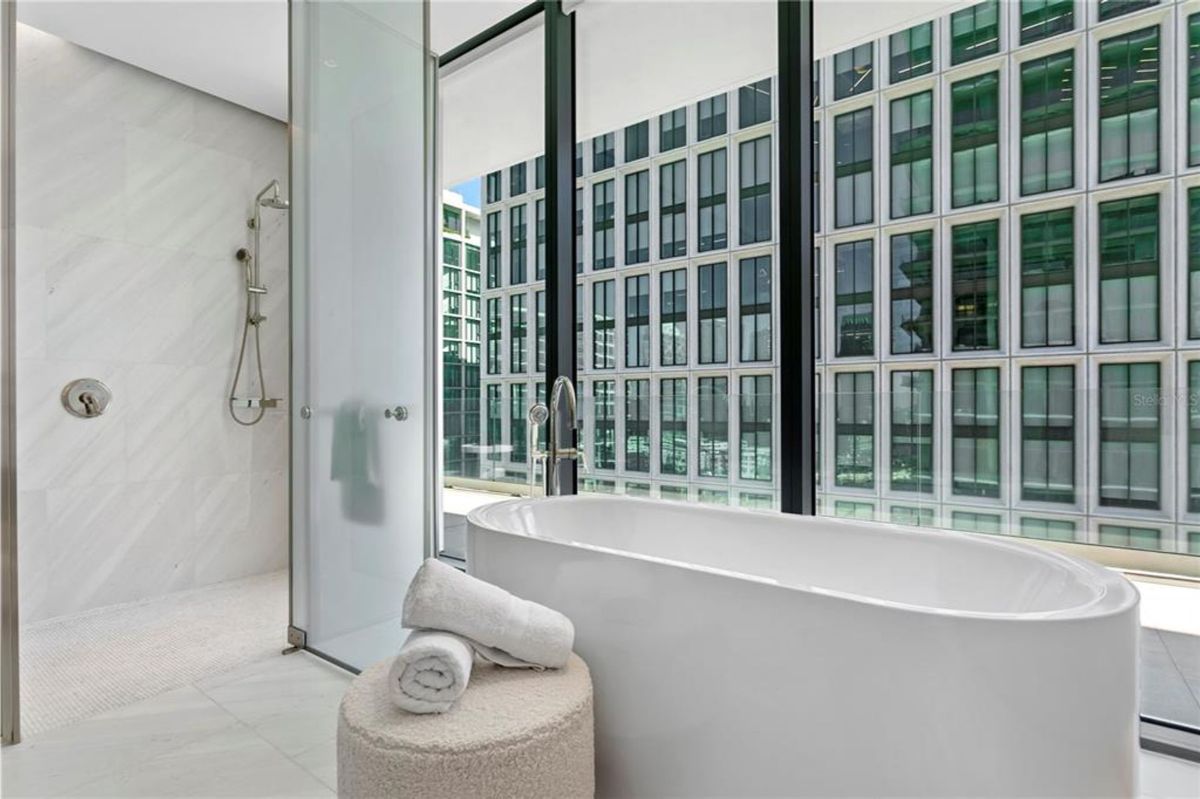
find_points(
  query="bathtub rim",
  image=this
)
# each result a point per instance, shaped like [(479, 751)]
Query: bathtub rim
[(1114, 594)]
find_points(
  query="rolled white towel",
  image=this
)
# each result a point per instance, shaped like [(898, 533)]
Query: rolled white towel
[(431, 672), (441, 597)]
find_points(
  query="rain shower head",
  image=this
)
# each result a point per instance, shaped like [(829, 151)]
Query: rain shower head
[(269, 197)]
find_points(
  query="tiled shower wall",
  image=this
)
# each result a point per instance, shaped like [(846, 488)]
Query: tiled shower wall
[(132, 197)]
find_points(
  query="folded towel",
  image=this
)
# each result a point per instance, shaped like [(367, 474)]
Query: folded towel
[(431, 672), (441, 597)]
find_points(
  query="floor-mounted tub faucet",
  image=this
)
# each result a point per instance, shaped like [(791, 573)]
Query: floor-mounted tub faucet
[(552, 418)]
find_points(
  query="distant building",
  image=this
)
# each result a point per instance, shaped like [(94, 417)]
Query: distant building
[(460, 336), (1008, 294)]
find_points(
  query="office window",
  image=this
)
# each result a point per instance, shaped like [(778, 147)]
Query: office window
[(849, 509), (754, 103), (518, 343), (912, 431), (754, 164), (912, 292), (517, 248), (975, 272), (971, 522), (1115, 8), (1120, 535), (755, 299), (1048, 279), (578, 231), (672, 297), (637, 425), (579, 313), (517, 408), (603, 244), (1048, 434), (911, 52), (712, 288), (1193, 436), (473, 277), (1193, 24), (817, 302), (854, 298), (602, 151), (672, 217), (539, 332), (473, 261), (975, 32), (1129, 270), (1047, 529), (539, 172), (1193, 260), (604, 453), (1129, 77), (637, 320), (854, 430), (495, 421), (1130, 428), (1048, 123), (713, 414), (1041, 19), (451, 252), (494, 324), (672, 129), (853, 173), (754, 428), (494, 237), (711, 221), (578, 159), (912, 155), (540, 240), (492, 182), (975, 432), (451, 220), (604, 321), (637, 141), (639, 489), (816, 176), (637, 217), (673, 432), (853, 71), (975, 140), (711, 118), (913, 517)]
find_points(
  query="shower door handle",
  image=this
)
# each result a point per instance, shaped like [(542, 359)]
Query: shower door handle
[(399, 413)]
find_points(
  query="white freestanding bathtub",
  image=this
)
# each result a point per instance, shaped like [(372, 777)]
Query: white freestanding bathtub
[(738, 653)]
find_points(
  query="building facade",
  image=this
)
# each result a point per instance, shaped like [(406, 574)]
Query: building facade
[(1008, 309), (461, 336)]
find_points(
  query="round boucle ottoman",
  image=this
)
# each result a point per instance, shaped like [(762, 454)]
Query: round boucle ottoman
[(514, 733)]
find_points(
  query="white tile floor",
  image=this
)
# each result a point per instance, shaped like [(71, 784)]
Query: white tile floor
[(265, 729)]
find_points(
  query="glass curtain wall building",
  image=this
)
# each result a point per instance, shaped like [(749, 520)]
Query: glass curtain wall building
[(1008, 313), (462, 337)]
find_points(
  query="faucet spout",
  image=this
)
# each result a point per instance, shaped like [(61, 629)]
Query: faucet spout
[(558, 446)]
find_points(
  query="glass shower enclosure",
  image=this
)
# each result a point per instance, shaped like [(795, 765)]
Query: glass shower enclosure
[(364, 402)]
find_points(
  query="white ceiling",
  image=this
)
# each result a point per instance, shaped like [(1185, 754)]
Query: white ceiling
[(635, 57), (235, 49)]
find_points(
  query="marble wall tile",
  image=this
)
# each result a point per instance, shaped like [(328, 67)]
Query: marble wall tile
[(133, 194)]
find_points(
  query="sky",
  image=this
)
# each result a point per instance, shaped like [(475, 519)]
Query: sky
[(469, 189)]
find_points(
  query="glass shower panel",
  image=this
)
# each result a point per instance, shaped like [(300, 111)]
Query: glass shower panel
[(361, 455)]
